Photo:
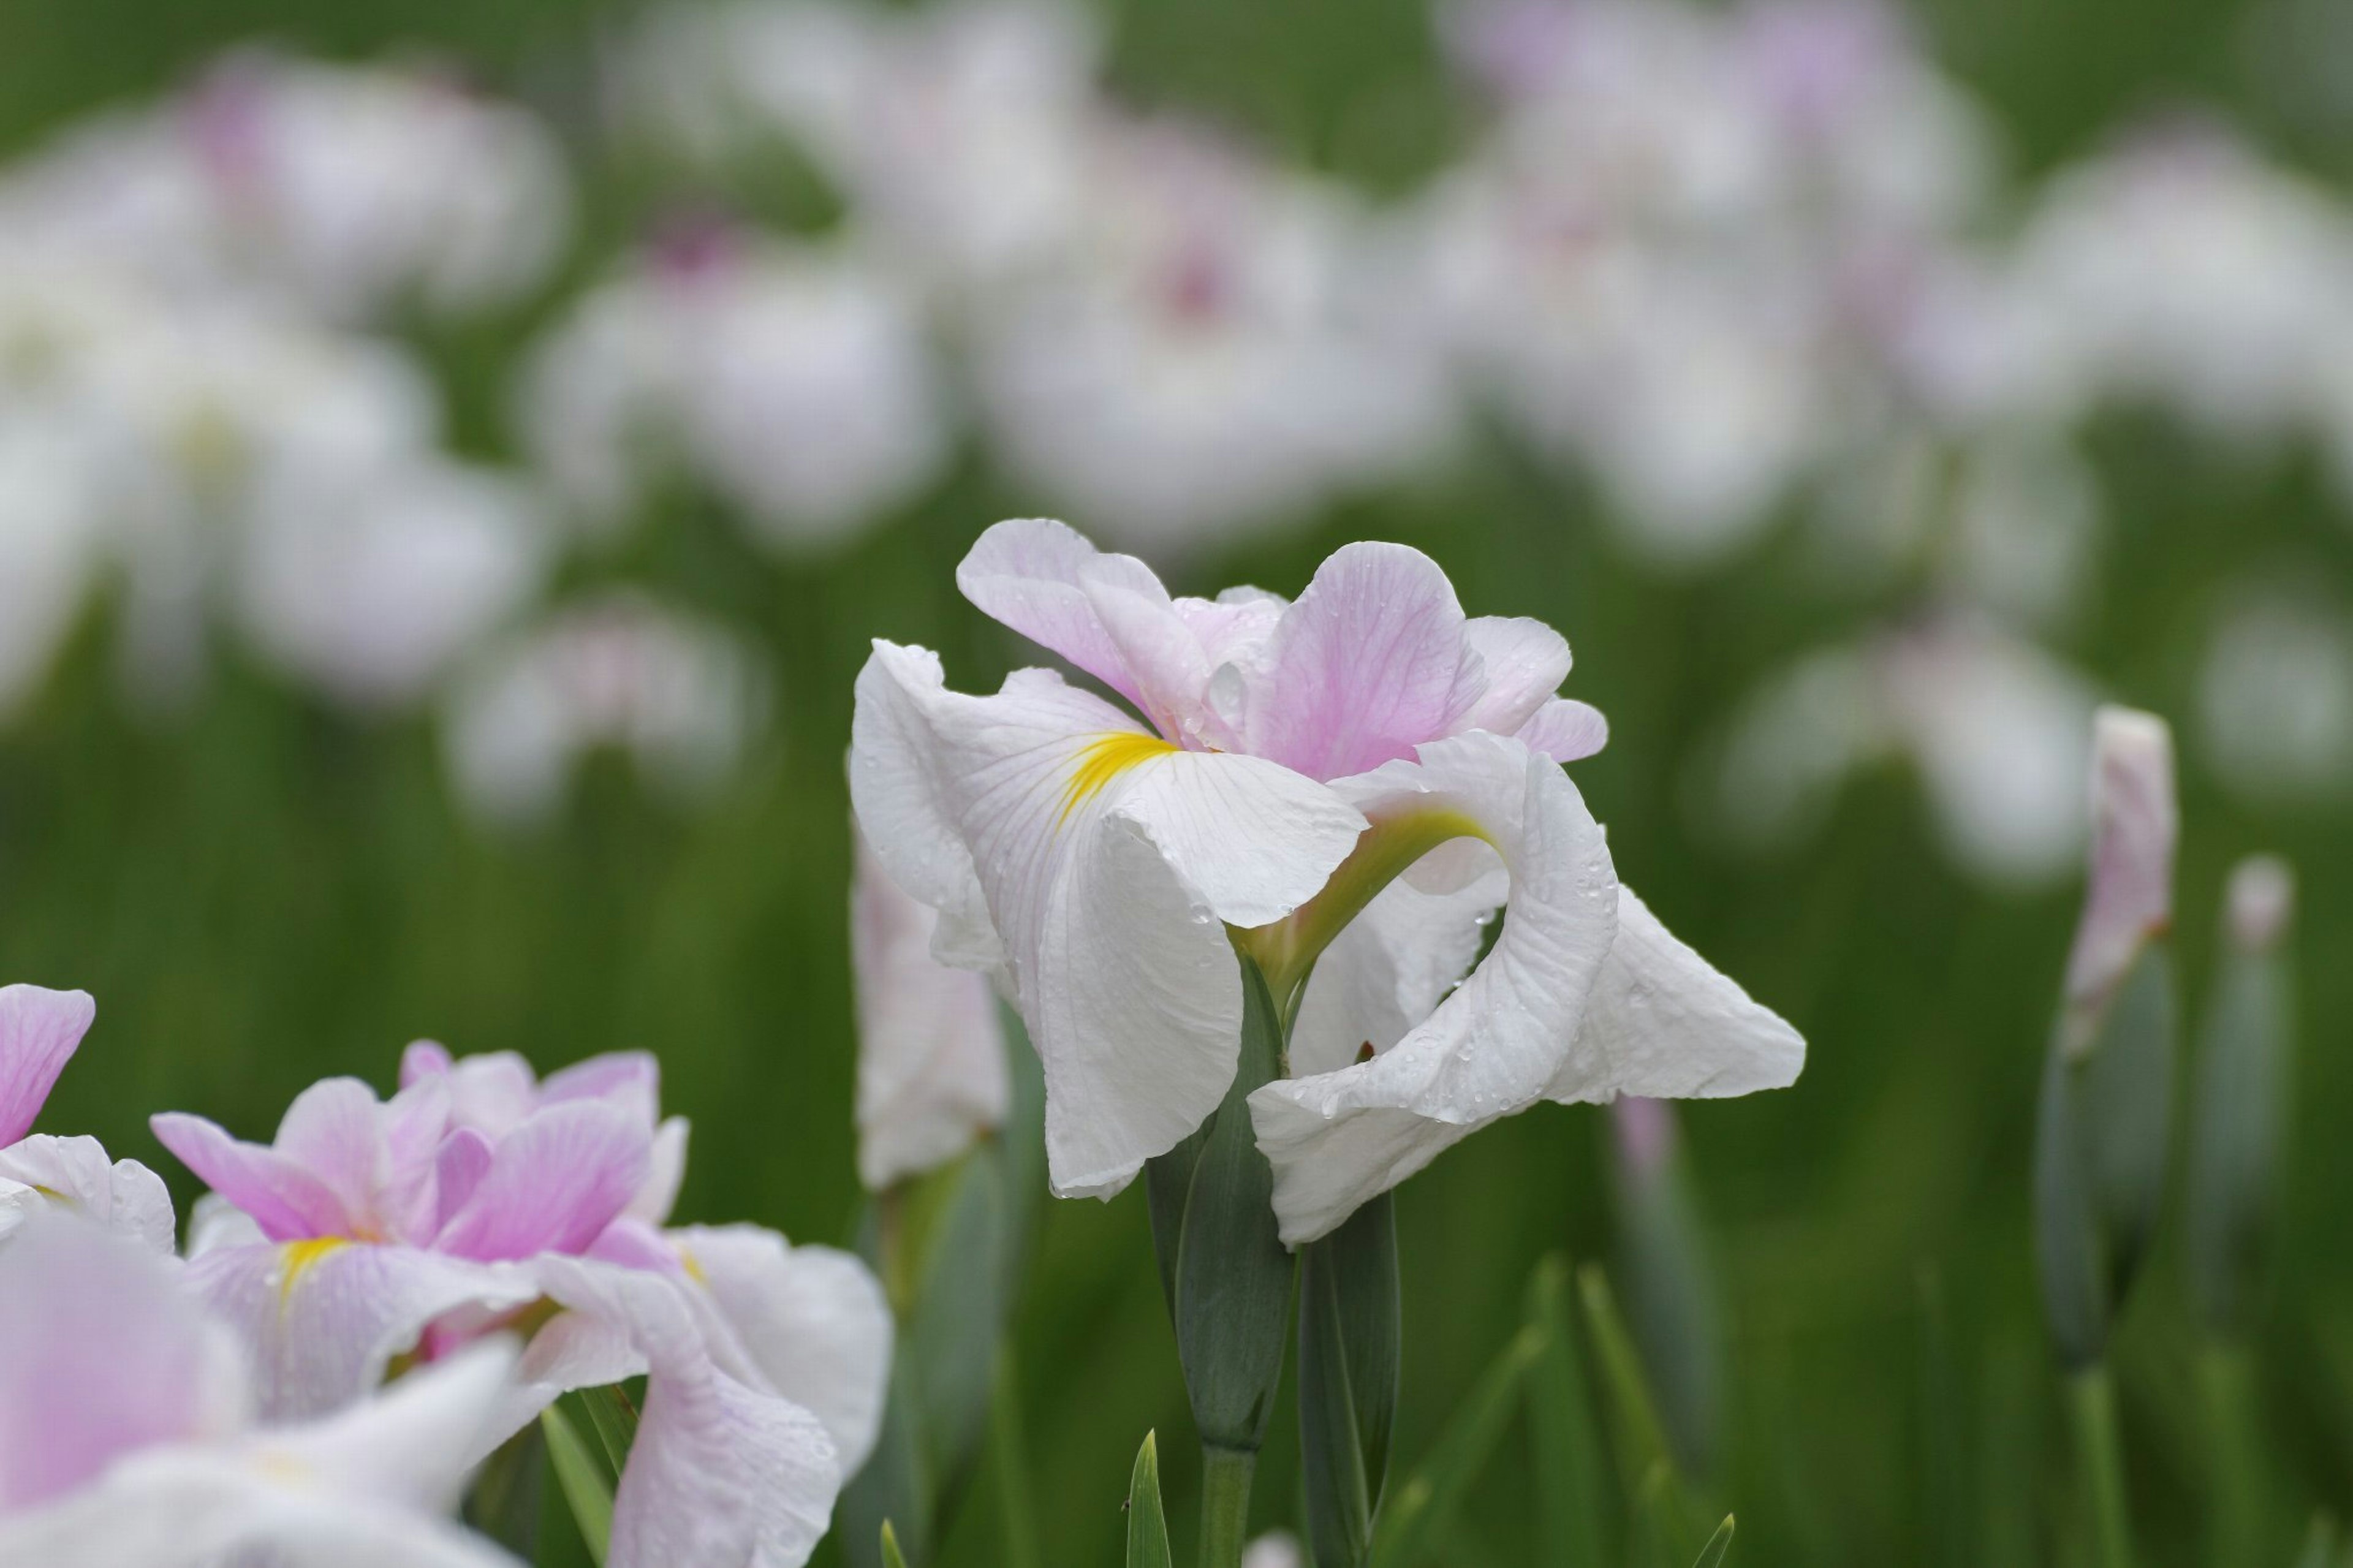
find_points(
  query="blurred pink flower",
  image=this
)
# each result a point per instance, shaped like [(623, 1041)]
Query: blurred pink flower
[(40, 1031)]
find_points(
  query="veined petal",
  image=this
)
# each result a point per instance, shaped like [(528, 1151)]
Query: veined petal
[(1566, 730), (1031, 575), (74, 1175), (814, 1320), (552, 1183), (721, 1471), (628, 1079), (1491, 1047), (1390, 967), (335, 1130), (288, 1202), (323, 1319), (1110, 861), (932, 1074), (1663, 1024), (665, 1173), (1370, 662), (1526, 661), (39, 1029)]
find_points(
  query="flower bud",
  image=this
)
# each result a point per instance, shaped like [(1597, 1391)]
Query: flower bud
[(2243, 1070)]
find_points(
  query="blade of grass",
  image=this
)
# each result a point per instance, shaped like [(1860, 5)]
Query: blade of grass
[(1428, 1498), (613, 1418), (1641, 1440), (580, 1472), (1712, 1554), (1147, 1525), (1571, 1514), (891, 1556)]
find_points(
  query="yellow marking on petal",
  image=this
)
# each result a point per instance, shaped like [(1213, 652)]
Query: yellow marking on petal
[(1103, 759), (693, 1267), (301, 1258)]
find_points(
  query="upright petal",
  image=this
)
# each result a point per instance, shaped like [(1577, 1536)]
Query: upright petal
[(1108, 860), (629, 1079), (665, 1173), (552, 1183), (1493, 1047), (39, 1029), (288, 1202), (334, 1130), (1032, 574), (1368, 663), (2134, 826), (75, 1176), (932, 1074), (721, 1471), (1663, 1024), (323, 1319), (1566, 730), (1524, 662), (812, 1320)]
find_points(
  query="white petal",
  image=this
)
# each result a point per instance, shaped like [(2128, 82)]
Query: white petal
[(1108, 860), (74, 1175), (2134, 826), (668, 1174), (812, 1320), (321, 1319), (1340, 1137), (1663, 1024), (1390, 968), (932, 1074), (409, 1445), (1566, 730), (1525, 662), (214, 1224)]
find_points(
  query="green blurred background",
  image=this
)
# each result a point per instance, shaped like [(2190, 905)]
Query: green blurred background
[(268, 891)]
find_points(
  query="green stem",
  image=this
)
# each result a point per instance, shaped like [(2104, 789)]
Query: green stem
[(1225, 1504), (2225, 1379), (1012, 1451), (2091, 1404)]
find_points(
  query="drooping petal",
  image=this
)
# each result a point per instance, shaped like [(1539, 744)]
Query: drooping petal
[(1491, 1047), (288, 1202), (1370, 662), (103, 1353), (721, 1471), (323, 1319), (1524, 661), (407, 1445), (932, 1073), (39, 1029), (814, 1320), (1108, 860), (2134, 827), (552, 1183), (75, 1176), (1566, 730), (1663, 1024), (1390, 968)]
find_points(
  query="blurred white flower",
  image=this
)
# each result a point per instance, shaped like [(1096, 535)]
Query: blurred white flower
[(2276, 697), (795, 385), (348, 190), (1275, 1549), (682, 698)]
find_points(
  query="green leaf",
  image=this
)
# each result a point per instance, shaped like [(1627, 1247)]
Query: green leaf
[(1571, 1509), (1348, 1358), (2243, 1074), (1641, 1440), (1712, 1554), (614, 1420), (584, 1473), (504, 1503), (1233, 1276), (1147, 1526), (961, 1305), (895, 1486), (1425, 1504), (891, 1556)]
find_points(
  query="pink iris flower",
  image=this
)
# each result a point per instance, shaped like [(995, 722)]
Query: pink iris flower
[(40, 1029)]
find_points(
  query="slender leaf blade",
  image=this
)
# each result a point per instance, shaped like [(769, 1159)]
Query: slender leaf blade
[(581, 1471), (891, 1556), (1712, 1554), (1405, 1533), (1572, 1509), (1147, 1526)]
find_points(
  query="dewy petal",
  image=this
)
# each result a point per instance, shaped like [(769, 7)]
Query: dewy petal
[(1491, 1047), (1663, 1024), (286, 1201), (39, 1029), (721, 1472), (321, 1319), (1390, 968), (1566, 730), (1524, 661), (1029, 573), (74, 1175), (932, 1073), (1370, 662), (552, 1183), (812, 1320), (1109, 862), (2134, 827)]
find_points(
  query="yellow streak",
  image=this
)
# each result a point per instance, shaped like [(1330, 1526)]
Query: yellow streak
[(1103, 759), (300, 1259), (693, 1267)]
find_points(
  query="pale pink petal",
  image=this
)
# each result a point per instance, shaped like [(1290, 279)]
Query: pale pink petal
[(721, 1472), (1566, 730), (334, 1130), (666, 1174), (1663, 1023), (321, 1321), (39, 1029), (103, 1353), (1027, 573), (1524, 661), (459, 1166), (814, 1320), (214, 1224), (2134, 827), (932, 1074), (286, 1201), (553, 1183), (1492, 1046), (74, 1175), (423, 1060), (1165, 662), (409, 1444), (1371, 662), (628, 1079)]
